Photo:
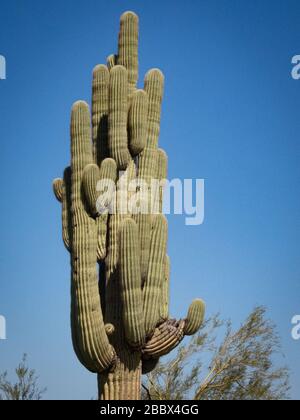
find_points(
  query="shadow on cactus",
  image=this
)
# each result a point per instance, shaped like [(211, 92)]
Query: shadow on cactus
[(120, 270)]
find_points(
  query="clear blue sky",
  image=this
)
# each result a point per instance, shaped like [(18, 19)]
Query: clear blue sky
[(230, 116)]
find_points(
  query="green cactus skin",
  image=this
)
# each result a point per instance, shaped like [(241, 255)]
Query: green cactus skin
[(92, 341), (194, 317), (131, 287), (128, 47), (58, 185), (154, 87), (66, 209), (162, 176), (120, 312), (62, 191), (155, 276), (137, 122), (100, 113), (117, 117), (165, 290), (149, 159), (91, 180), (165, 338)]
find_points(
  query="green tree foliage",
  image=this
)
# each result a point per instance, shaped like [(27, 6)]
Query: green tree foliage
[(222, 364), (26, 386)]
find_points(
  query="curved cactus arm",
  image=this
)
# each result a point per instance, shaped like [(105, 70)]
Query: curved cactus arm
[(85, 361), (87, 320), (117, 117), (106, 185), (128, 46), (170, 333), (58, 185), (61, 189), (90, 178), (166, 337), (105, 192), (99, 186), (137, 122), (194, 317), (153, 284), (66, 209), (130, 280)]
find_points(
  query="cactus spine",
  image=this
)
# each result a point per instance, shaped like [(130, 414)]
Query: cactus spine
[(119, 312)]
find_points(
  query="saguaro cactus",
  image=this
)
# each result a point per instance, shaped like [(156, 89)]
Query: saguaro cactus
[(120, 270)]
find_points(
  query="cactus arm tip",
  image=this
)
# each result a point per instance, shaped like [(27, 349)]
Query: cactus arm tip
[(194, 317), (57, 185)]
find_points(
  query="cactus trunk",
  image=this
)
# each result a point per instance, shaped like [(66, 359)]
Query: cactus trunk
[(124, 383)]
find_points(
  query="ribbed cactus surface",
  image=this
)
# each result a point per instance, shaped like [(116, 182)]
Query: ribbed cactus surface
[(119, 264)]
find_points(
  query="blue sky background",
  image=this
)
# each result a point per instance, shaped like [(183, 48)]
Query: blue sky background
[(230, 116)]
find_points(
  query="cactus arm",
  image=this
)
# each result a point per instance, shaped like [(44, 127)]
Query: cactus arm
[(137, 122), (194, 317), (58, 185), (154, 87), (148, 161), (153, 284), (100, 112), (85, 361), (94, 182), (106, 186), (107, 166), (117, 118), (66, 210), (165, 338), (170, 333), (131, 287), (108, 172), (90, 178), (61, 189), (87, 319), (147, 167), (97, 186), (128, 46)]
